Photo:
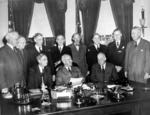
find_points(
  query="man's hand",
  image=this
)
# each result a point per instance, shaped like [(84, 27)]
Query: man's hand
[(4, 90), (146, 76), (118, 68), (53, 77), (126, 74), (58, 62)]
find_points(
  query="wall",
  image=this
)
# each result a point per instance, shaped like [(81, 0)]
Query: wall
[(105, 25), (3, 19)]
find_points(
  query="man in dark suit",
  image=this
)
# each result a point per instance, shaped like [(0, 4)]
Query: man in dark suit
[(93, 50), (116, 53), (79, 53), (67, 71), (21, 43), (103, 72), (35, 49), (40, 75), (59, 49), (11, 68)]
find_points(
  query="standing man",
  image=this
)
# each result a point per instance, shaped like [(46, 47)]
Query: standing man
[(137, 59), (21, 43), (93, 50), (35, 49), (79, 53), (116, 53), (59, 49), (11, 68)]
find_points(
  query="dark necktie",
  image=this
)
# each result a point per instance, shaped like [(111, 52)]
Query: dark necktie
[(135, 44), (15, 50), (69, 69), (103, 74), (60, 49), (117, 44)]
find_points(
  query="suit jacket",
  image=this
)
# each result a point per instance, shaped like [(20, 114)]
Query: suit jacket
[(63, 75), (116, 55), (137, 60), (92, 54), (56, 54), (79, 57), (32, 53), (109, 75), (35, 77), (23, 57), (11, 68)]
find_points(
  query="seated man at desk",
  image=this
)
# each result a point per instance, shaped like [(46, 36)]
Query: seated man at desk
[(103, 72), (66, 72), (40, 76)]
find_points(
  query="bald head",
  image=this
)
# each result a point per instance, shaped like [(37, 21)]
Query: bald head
[(12, 37), (136, 33), (101, 58), (67, 60), (21, 42)]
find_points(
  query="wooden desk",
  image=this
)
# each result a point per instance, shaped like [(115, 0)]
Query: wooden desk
[(136, 104)]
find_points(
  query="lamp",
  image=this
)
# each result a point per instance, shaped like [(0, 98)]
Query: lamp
[(142, 20)]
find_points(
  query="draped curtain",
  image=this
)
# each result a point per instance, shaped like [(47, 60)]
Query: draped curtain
[(56, 14), (21, 12), (90, 14), (123, 16)]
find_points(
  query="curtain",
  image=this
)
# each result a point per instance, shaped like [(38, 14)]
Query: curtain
[(56, 15), (90, 14), (123, 16), (22, 11)]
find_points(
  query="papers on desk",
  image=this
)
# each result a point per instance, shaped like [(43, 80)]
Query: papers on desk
[(127, 88), (35, 93), (111, 86), (67, 93), (76, 81)]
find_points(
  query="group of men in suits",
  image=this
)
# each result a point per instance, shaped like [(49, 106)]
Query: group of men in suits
[(101, 63)]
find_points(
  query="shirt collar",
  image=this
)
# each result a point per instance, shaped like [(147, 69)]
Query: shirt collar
[(103, 66), (138, 41), (68, 68), (41, 69), (11, 46), (97, 45), (38, 48)]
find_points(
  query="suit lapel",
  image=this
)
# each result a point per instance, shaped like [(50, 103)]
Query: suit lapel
[(106, 71), (39, 74)]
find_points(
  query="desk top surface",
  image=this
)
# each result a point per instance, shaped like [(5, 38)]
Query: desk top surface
[(57, 107)]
